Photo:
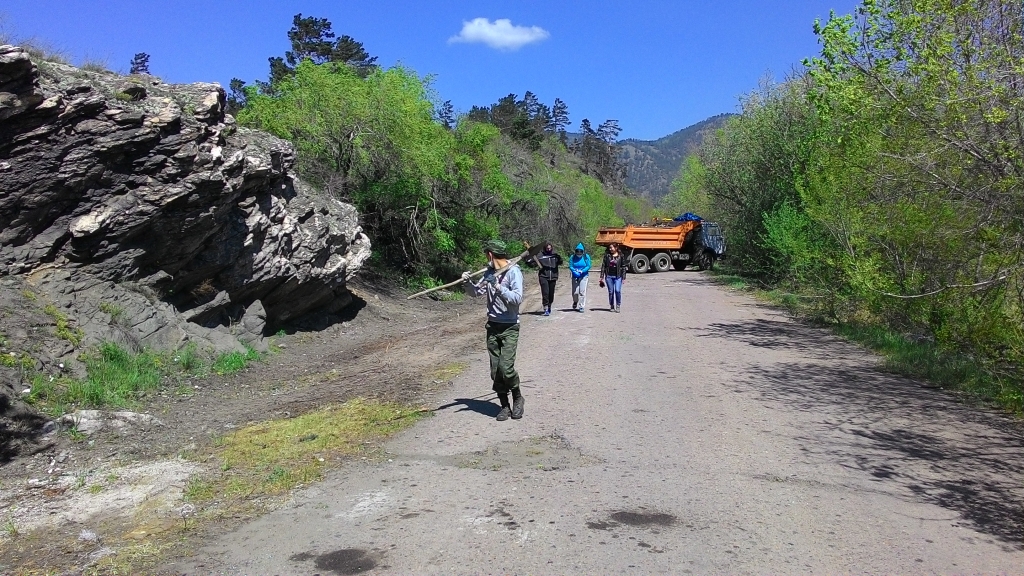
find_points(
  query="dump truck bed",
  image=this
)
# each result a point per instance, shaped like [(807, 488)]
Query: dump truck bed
[(646, 237)]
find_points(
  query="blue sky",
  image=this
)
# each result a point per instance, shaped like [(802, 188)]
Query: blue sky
[(655, 66)]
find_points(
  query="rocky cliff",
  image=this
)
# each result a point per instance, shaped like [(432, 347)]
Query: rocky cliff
[(143, 214)]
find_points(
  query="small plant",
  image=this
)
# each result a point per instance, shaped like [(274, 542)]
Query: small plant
[(188, 359), (10, 528), (80, 480), (204, 291), (279, 474), (64, 329), (232, 362), (29, 295), (197, 490), (115, 312), (95, 489), (74, 434), (12, 360)]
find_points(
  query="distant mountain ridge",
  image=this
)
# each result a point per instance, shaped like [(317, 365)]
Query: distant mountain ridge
[(653, 164)]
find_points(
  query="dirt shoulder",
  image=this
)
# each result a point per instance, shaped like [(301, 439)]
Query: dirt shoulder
[(57, 500)]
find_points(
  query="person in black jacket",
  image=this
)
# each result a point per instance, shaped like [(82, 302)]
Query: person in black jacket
[(548, 262), (613, 274)]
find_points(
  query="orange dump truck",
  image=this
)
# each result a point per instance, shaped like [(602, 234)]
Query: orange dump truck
[(665, 245)]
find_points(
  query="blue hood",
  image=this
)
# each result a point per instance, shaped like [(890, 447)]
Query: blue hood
[(579, 265)]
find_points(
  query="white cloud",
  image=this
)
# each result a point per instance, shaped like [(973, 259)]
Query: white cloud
[(500, 34)]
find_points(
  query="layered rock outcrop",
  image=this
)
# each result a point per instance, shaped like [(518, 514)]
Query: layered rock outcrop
[(147, 213)]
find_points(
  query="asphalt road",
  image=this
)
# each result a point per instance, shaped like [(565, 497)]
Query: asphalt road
[(696, 432)]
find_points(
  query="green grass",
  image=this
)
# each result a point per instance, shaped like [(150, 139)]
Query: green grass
[(117, 377), (232, 362), (275, 456)]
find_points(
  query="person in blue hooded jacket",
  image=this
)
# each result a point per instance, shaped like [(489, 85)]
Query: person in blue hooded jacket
[(579, 266)]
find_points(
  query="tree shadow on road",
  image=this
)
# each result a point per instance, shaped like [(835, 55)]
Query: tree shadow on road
[(812, 341), (926, 441), (484, 407)]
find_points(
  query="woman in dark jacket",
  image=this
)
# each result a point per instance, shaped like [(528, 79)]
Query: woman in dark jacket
[(548, 262), (613, 273)]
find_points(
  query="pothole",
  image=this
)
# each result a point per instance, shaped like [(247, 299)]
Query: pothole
[(346, 561), (546, 453), (635, 518)]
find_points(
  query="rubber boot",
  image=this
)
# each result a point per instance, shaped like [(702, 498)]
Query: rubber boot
[(505, 411), (517, 404)]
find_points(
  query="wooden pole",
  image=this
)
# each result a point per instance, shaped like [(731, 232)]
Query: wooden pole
[(511, 263)]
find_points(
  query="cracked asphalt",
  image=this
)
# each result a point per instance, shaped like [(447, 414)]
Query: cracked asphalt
[(698, 431)]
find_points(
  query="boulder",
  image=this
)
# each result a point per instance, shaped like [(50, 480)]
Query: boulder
[(124, 193)]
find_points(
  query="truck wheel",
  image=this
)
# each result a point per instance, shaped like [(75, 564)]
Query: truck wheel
[(661, 262), (705, 260), (700, 261), (640, 264)]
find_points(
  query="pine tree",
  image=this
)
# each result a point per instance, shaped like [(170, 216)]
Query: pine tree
[(505, 112), (236, 96), (608, 131), (313, 39), (559, 119), (446, 114), (140, 64)]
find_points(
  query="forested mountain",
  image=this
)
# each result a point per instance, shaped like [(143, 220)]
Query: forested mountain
[(652, 164)]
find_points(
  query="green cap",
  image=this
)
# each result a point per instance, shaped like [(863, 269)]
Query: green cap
[(496, 247)]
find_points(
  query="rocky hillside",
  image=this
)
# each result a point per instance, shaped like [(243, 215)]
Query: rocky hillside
[(653, 164), (137, 211)]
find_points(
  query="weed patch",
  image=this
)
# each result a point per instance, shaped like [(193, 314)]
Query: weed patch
[(232, 362), (65, 331), (115, 312), (13, 360), (114, 377), (275, 456)]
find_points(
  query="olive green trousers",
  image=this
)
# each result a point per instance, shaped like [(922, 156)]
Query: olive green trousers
[(502, 340)]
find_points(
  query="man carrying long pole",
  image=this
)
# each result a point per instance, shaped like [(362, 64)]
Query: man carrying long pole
[(503, 285)]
